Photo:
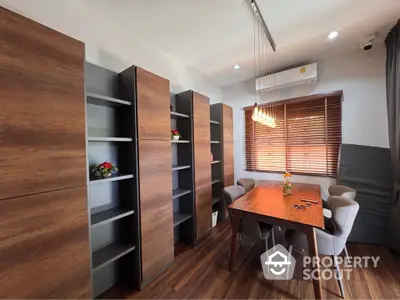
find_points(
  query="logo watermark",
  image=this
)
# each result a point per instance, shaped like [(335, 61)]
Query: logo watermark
[(278, 264)]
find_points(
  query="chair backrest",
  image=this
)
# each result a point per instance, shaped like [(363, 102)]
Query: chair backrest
[(247, 183), (344, 213), (344, 191), (231, 193)]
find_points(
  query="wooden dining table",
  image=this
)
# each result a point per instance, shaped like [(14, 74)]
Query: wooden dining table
[(266, 203)]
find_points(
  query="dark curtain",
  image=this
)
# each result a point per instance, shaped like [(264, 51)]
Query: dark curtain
[(393, 106)]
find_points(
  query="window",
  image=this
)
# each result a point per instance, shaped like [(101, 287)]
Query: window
[(306, 139)]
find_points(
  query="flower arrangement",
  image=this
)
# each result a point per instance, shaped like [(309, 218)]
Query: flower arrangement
[(104, 169), (175, 134), (287, 185)]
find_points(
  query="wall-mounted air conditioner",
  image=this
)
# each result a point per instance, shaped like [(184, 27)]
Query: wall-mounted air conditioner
[(294, 77)]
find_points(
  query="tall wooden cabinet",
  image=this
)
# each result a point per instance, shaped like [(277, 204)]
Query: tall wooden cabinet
[(202, 158), (151, 95), (44, 245), (221, 128), (201, 152), (227, 141)]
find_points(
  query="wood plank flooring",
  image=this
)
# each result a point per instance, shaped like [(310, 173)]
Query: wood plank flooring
[(202, 272)]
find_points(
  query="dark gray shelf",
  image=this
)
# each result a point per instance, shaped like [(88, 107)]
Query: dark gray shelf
[(180, 141), (176, 193), (109, 215), (215, 200), (108, 254), (97, 99), (215, 142), (177, 168), (111, 179), (108, 139), (180, 218), (215, 162), (176, 114), (214, 122), (214, 181)]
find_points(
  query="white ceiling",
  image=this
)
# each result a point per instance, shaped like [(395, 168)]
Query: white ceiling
[(210, 36)]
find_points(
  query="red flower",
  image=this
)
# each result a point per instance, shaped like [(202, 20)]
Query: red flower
[(176, 132), (106, 165)]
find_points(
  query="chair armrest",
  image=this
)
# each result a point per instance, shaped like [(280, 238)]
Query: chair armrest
[(341, 190)]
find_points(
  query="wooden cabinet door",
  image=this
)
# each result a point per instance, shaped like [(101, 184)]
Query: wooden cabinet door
[(42, 109), (155, 179), (153, 106), (202, 163), (44, 246), (227, 121), (203, 212)]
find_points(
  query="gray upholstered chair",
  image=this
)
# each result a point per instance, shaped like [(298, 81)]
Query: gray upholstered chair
[(344, 212), (248, 226), (247, 183), (337, 190)]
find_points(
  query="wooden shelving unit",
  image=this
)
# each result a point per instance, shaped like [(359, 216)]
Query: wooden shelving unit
[(113, 201), (217, 163), (182, 171)]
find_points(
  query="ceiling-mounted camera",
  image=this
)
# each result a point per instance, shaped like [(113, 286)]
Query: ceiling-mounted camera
[(366, 42)]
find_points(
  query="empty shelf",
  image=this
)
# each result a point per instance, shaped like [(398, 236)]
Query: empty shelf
[(176, 167), (176, 193), (109, 215), (180, 141), (215, 142), (108, 139), (96, 99), (176, 114), (215, 200), (108, 254), (214, 181), (180, 218), (110, 179), (215, 162), (214, 122)]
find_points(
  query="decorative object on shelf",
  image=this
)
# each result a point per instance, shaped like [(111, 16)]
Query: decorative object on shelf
[(171, 108), (287, 185), (104, 170), (175, 134), (212, 157)]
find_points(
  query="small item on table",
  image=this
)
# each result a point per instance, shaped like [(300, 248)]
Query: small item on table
[(301, 206), (309, 200), (287, 185)]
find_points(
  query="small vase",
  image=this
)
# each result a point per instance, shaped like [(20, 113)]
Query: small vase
[(287, 192), (175, 137), (106, 175)]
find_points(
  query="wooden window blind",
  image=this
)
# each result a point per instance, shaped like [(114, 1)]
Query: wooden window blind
[(306, 140)]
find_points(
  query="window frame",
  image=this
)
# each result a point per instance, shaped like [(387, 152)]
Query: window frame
[(284, 103)]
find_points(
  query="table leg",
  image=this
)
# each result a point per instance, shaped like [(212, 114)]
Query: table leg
[(313, 252), (235, 218)]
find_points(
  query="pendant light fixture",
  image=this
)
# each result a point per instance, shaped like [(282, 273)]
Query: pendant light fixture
[(262, 113)]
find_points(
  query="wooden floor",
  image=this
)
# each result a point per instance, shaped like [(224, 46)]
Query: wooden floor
[(202, 272)]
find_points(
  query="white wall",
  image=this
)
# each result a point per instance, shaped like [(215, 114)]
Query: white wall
[(361, 76), (109, 45)]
